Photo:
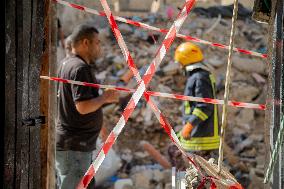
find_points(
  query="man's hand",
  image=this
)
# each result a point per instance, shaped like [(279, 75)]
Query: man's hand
[(186, 130), (110, 96)]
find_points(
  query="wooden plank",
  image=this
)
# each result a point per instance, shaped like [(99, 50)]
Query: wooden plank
[(22, 162), (10, 95), (52, 98), (47, 98), (23, 44), (268, 138), (277, 68), (44, 90), (37, 39)]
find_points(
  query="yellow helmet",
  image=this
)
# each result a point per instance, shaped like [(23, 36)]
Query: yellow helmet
[(188, 53)]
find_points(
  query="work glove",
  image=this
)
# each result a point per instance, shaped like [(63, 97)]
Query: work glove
[(186, 131)]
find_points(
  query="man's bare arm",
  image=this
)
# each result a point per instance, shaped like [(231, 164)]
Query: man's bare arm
[(92, 105)]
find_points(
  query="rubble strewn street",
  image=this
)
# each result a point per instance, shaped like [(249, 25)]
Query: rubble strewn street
[(244, 151)]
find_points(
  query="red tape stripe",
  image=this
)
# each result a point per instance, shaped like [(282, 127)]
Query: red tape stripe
[(158, 94)]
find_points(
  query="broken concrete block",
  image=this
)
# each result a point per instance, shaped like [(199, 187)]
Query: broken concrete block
[(171, 69), (257, 137), (123, 184), (142, 179), (244, 144), (256, 181), (216, 62), (101, 76), (241, 91), (259, 79), (125, 29), (118, 60), (158, 175), (147, 114), (249, 65), (249, 153), (246, 116)]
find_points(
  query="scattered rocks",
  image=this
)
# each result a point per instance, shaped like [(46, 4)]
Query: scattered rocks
[(244, 150), (243, 92), (246, 116), (259, 79), (171, 69), (256, 181), (142, 179), (249, 65), (150, 178), (216, 62), (123, 184), (244, 144)]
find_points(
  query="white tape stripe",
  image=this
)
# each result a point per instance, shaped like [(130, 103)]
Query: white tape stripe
[(120, 125), (179, 22), (173, 134), (100, 158), (64, 3), (162, 53), (139, 92), (91, 11), (121, 19)]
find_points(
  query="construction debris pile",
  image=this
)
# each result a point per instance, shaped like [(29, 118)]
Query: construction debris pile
[(244, 149)]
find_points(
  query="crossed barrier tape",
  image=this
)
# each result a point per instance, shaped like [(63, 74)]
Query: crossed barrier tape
[(160, 94), (140, 90), (149, 27)]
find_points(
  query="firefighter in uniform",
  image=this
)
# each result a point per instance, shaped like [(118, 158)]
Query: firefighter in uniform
[(200, 133)]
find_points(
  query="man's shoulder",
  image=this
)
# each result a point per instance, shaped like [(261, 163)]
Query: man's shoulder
[(75, 60), (72, 66), (200, 73), (74, 63)]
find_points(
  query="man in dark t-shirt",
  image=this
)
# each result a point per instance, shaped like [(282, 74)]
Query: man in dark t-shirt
[(79, 108)]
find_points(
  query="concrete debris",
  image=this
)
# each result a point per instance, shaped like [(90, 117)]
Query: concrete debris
[(171, 69), (150, 178), (258, 78), (140, 34), (244, 141), (118, 60), (101, 76), (244, 144), (147, 114), (123, 184), (256, 181), (250, 65), (155, 154), (125, 29), (224, 11), (246, 116), (191, 176), (216, 62), (257, 137), (243, 92)]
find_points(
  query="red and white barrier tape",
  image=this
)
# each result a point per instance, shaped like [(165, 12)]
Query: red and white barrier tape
[(160, 94), (133, 68), (146, 26), (141, 87)]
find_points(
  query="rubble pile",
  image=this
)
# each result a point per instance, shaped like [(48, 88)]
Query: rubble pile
[(244, 151)]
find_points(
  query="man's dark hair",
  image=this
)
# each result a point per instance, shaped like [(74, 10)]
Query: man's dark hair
[(83, 31)]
